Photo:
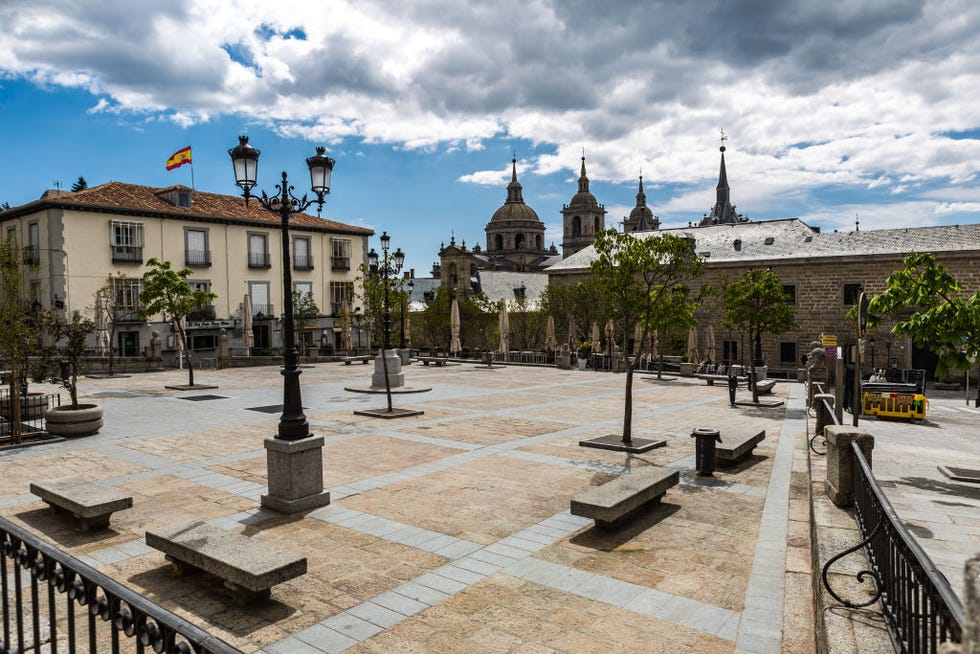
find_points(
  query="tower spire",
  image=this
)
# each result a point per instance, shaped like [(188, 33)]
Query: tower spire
[(583, 180), (515, 192)]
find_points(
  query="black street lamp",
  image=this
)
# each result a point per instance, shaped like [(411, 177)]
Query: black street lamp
[(292, 424), (385, 267), (871, 342), (405, 304)]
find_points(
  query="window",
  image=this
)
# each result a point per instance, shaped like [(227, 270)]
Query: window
[(340, 291), (729, 351), (596, 228), (126, 240), (340, 253), (259, 293), (303, 288), (787, 352), (127, 297), (498, 242), (196, 252), (32, 253), (202, 311), (851, 293), (519, 242), (576, 226), (302, 259), (789, 290), (258, 251)]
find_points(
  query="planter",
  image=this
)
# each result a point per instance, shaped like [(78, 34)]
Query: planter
[(32, 406), (582, 363), (65, 421)]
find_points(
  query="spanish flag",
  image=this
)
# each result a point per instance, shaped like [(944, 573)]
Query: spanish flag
[(179, 158)]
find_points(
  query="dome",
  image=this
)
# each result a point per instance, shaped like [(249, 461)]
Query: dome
[(641, 213), (584, 198), (514, 211)]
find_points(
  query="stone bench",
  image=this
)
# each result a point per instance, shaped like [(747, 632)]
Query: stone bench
[(363, 358), (249, 567), (711, 379), (624, 496), (439, 361), (91, 503), (736, 444), (765, 386)]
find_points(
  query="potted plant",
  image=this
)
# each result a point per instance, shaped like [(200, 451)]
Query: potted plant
[(60, 365)]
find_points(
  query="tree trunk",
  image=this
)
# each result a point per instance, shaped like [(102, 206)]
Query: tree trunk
[(187, 356), (628, 415), (15, 426), (752, 380)]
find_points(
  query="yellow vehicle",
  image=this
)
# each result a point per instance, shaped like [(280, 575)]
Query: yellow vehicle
[(889, 404)]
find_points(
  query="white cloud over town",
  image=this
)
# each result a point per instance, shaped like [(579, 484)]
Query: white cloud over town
[(860, 95)]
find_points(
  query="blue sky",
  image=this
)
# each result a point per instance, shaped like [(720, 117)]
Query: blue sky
[(864, 108)]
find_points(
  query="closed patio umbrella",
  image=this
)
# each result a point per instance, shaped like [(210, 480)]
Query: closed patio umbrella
[(637, 339), (504, 324), (654, 345), (692, 345), (596, 338), (550, 344), (454, 345), (346, 343), (248, 338), (709, 344), (610, 333), (102, 344)]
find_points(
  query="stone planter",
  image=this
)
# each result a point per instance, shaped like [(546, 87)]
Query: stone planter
[(65, 421), (32, 406)]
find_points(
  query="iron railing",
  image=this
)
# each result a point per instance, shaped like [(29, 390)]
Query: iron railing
[(52, 601), (259, 260), (32, 408), (919, 606), (197, 257)]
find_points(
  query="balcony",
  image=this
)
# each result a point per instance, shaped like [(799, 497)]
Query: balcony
[(200, 258), (259, 260), (303, 262), (340, 263), (127, 254), (128, 314), (205, 312), (263, 311)]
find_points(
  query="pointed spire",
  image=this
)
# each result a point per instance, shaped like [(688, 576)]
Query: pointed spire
[(514, 189), (583, 180), (641, 197), (722, 191)]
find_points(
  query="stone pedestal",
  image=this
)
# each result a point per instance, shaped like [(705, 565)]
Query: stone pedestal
[(823, 405), (405, 354), (687, 369), (223, 352), (395, 375), (618, 362), (156, 350), (564, 360), (295, 471), (839, 486)]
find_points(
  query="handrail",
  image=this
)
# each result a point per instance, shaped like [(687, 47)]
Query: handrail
[(124, 611), (920, 608)]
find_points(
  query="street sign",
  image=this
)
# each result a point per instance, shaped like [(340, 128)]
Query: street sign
[(828, 340)]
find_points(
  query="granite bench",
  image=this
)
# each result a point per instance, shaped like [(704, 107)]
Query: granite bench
[(363, 358), (439, 361), (765, 386), (736, 444), (711, 379), (249, 567), (624, 496), (91, 503)]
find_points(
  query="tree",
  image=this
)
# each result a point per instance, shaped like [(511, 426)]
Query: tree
[(167, 292), (79, 185), (373, 299), (944, 320), (60, 363), (305, 312), (636, 275), (478, 315), (756, 304), (18, 334), (581, 303), (112, 308), (433, 323), (673, 314), (527, 325)]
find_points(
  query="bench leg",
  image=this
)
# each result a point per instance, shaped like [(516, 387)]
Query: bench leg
[(54, 507), (95, 522), (243, 596), (604, 525), (182, 568), (711, 382)]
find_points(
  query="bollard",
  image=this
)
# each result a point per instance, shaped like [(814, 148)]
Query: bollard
[(732, 387), (821, 401), (704, 450)]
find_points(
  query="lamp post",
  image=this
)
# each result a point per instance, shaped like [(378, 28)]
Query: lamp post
[(385, 267), (405, 304), (871, 342), (286, 493)]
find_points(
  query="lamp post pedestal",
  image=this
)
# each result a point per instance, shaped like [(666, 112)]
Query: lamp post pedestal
[(295, 475), (396, 377)]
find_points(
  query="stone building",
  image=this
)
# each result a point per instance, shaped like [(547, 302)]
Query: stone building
[(582, 218), (641, 218)]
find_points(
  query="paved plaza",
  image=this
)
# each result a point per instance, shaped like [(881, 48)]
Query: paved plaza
[(450, 531)]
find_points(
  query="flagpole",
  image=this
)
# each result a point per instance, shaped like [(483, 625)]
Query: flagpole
[(193, 187)]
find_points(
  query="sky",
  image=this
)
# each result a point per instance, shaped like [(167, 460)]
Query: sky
[(834, 112)]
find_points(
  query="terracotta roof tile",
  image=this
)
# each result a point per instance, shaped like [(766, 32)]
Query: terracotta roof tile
[(136, 199)]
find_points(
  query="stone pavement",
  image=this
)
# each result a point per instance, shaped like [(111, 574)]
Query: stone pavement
[(450, 531)]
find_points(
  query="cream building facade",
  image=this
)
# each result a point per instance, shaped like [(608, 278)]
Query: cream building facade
[(78, 242)]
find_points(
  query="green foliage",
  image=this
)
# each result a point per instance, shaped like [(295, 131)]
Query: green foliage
[(756, 304), (304, 309), (432, 325), (478, 316), (60, 363), (18, 327), (943, 320), (635, 275), (527, 325), (373, 300), (166, 292), (79, 185), (582, 303)]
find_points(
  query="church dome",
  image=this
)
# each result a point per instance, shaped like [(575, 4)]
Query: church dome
[(514, 208)]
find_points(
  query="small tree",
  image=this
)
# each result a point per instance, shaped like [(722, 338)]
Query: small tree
[(581, 303), (636, 274), (672, 314), (167, 292), (478, 314), (305, 312), (79, 185), (756, 304), (527, 325), (945, 321), (60, 363), (18, 327), (433, 323)]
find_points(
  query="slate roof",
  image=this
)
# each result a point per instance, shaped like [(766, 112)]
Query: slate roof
[(137, 200), (791, 238)]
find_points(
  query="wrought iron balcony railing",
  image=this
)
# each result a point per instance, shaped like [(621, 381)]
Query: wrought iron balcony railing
[(197, 257), (127, 254)]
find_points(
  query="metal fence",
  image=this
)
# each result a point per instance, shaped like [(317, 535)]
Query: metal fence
[(920, 609), (52, 601), (32, 408)]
